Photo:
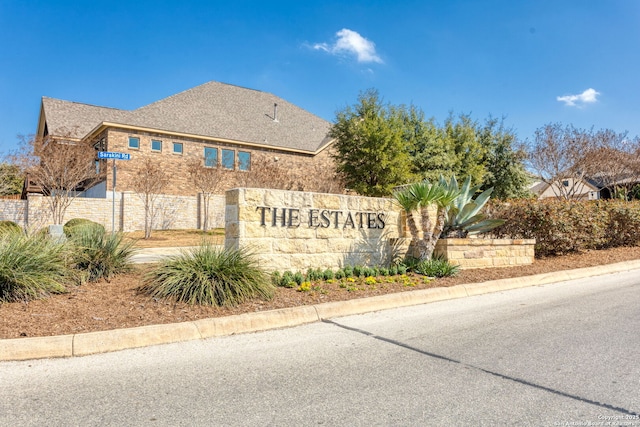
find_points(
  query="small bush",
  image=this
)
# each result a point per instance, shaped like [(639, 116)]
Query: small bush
[(358, 270), (402, 269), (339, 274), (393, 270), (99, 254), (31, 267), (384, 271), (209, 276), (328, 274), (276, 278), (348, 271), (436, 267), (287, 280), (74, 225), (298, 278)]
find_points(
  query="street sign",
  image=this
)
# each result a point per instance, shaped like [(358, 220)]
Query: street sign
[(113, 155)]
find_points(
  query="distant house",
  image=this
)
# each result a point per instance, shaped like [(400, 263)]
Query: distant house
[(584, 189), (221, 125)]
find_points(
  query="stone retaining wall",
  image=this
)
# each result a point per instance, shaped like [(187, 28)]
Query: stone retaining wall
[(484, 253), (172, 212)]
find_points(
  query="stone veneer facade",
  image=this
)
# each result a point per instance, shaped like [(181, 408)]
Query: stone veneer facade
[(311, 230)]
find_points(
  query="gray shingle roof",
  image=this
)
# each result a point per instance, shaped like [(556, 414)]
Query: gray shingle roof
[(212, 110)]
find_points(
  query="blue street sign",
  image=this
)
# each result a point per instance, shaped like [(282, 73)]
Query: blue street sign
[(113, 155)]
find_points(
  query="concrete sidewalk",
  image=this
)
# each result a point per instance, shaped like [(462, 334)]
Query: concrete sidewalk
[(114, 340)]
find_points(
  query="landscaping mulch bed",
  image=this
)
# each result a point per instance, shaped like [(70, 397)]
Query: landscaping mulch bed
[(116, 304)]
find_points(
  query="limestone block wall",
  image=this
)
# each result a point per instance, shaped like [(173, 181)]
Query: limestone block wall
[(13, 210), (172, 212), (291, 230), (484, 253)]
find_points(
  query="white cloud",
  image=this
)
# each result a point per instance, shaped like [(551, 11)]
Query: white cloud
[(589, 96), (350, 42)]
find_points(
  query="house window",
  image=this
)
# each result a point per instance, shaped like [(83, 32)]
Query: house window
[(565, 183), (156, 145), (177, 147), (134, 143), (228, 159), (210, 157), (244, 161)]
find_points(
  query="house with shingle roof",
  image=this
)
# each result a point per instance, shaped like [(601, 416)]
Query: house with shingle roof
[(223, 125)]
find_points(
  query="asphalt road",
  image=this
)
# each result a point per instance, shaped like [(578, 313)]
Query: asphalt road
[(562, 354)]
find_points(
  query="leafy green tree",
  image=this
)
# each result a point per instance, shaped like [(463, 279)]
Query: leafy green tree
[(469, 153), (432, 152), (11, 179), (504, 161), (371, 152)]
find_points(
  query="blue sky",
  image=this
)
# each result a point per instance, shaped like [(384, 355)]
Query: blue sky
[(533, 62)]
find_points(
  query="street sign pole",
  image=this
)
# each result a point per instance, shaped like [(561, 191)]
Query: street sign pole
[(106, 155), (113, 200)]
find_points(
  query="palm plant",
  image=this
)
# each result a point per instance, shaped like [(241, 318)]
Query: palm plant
[(420, 196)]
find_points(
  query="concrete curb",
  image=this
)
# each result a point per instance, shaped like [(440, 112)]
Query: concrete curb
[(120, 339)]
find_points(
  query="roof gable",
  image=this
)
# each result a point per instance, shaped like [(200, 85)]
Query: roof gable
[(212, 110)]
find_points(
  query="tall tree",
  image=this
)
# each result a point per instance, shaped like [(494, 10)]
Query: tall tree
[(504, 161), (461, 133), (432, 152), (370, 151), (557, 155)]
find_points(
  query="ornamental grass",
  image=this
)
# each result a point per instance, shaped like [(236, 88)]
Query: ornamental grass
[(208, 275), (32, 267)]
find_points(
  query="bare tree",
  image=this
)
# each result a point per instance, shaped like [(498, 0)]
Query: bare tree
[(209, 181), (148, 183), (557, 155), (61, 166), (267, 173), (614, 163)]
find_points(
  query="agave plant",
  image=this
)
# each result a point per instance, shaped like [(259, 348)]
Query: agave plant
[(463, 216)]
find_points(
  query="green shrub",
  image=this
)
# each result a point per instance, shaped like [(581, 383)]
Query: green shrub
[(209, 276), (31, 267), (287, 280), (384, 271), (348, 271), (393, 270), (561, 226), (623, 222), (436, 267), (74, 225), (402, 269), (328, 274), (339, 274), (276, 278), (100, 254), (358, 270), (298, 278), (10, 227)]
